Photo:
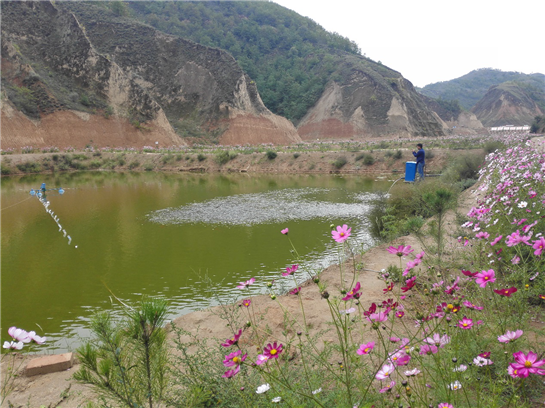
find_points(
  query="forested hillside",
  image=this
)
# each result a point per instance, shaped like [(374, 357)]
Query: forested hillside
[(290, 57), (470, 88)]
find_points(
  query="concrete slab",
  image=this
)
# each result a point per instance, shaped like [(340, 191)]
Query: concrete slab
[(49, 364)]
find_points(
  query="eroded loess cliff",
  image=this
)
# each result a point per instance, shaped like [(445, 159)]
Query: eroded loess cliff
[(369, 102), (133, 84)]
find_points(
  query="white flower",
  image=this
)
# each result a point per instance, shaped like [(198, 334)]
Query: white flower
[(412, 372), (13, 345), (460, 369), (522, 204), (263, 388), (276, 399), (456, 385), (319, 390)]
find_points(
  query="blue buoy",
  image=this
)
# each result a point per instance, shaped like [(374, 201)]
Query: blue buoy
[(32, 192), (61, 191)]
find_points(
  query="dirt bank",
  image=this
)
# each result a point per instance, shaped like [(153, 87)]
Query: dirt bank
[(335, 162)]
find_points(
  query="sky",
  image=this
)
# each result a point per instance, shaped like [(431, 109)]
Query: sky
[(432, 41)]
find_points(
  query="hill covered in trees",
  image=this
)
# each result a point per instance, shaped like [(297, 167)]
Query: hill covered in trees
[(470, 88)]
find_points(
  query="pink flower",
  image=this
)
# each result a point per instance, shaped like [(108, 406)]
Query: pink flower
[(465, 323), (515, 260), (354, 293), (510, 336), (428, 349), (420, 255), (400, 314), (438, 340), (527, 364), (272, 350), (234, 359), (470, 305), (19, 334), (285, 231), (515, 238), (243, 285), (389, 288), (400, 250), (232, 340), (496, 240), (410, 373), (539, 245), (231, 373), (261, 358), (342, 233), (385, 372), (246, 302), (482, 235), (388, 387), (290, 270), (378, 317), (366, 348), (506, 292), (485, 277), (481, 361), (37, 339), (444, 405), (295, 291)]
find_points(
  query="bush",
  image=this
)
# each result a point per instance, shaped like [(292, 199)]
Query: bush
[(493, 145), (296, 155), (340, 162), (368, 159), (397, 155), (224, 156), (148, 167), (271, 154), (30, 167), (6, 170), (134, 165), (201, 157), (95, 164)]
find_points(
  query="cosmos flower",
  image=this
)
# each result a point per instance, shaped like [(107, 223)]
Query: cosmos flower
[(527, 364), (366, 348), (388, 387), (13, 345), (354, 293), (232, 340), (263, 388), (19, 334), (413, 372), (341, 234), (465, 323), (401, 250), (506, 292), (272, 350), (261, 358), (456, 385), (276, 400), (438, 340), (385, 372), (243, 285), (235, 358), (539, 246), (246, 302), (285, 231), (231, 373), (485, 277), (295, 291), (445, 405), (290, 270)]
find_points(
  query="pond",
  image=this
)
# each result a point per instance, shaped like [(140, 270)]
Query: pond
[(187, 237)]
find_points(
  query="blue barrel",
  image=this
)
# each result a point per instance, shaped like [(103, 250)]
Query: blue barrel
[(410, 171)]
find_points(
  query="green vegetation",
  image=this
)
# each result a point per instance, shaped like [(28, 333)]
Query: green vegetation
[(225, 156), (291, 58), (538, 125), (271, 154), (340, 162), (470, 88)]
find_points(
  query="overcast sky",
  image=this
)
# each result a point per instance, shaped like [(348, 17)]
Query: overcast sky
[(431, 41)]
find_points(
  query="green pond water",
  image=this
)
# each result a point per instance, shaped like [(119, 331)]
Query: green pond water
[(187, 237)]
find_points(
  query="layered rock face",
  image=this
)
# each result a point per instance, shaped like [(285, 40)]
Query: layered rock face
[(146, 85), (369, 104), (506, 104)]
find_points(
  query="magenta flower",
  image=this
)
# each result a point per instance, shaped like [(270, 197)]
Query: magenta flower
[(234, 358), (19, 334), (290, 270), (385, 372), (428, 349), (496, 240), (420, 255), (470, 305), (243, 285), (515, 238), (272, 350), (527, 362), (400, 250), (482, 235), (342, 233), (465, 323), (378, 317), (445, 405), (468, 273), (409, 284), (485, 277), (366, 348), (295, 291), (354, 293), (539, 245), (400, 314), (388, 387), (285, 231), (246, 302), (515, 260), (232, 340), (231, 373), (506, 292)]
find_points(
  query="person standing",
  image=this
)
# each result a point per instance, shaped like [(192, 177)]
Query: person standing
[(420, 155)]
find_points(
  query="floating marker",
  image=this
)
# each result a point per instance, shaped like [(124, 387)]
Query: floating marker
[(69, 239)]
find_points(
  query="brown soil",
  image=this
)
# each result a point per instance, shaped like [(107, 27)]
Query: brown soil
[(60, 390)]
